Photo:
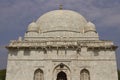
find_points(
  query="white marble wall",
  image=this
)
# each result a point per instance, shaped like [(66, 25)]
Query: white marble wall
[(21, 66)]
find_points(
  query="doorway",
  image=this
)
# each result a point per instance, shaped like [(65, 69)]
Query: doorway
[(61, 76)]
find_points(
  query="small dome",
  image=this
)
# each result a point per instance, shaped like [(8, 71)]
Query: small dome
[(61, 20), (32, 27), (90, 27)]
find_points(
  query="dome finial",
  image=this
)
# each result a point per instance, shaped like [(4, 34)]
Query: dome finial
[(60, 6)]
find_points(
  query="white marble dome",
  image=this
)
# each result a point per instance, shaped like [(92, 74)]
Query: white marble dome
[(89, 27), (61, 20), (32, 27), (63, 24)]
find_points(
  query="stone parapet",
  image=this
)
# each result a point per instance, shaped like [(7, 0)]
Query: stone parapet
[(98, 44)]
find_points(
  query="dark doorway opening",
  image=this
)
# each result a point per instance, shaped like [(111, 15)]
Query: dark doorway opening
[(61, 76)]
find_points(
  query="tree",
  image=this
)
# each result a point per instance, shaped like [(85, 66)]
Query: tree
[(2, 74), (118, 74)]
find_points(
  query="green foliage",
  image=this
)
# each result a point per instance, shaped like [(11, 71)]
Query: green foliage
[(118, 74), (2, 74)]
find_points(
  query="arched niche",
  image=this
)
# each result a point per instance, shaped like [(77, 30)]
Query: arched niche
[(84, 75), (61, 70), (38, 75)]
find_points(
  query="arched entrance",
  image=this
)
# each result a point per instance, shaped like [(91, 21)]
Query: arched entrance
[(61, 76), (61, 72)]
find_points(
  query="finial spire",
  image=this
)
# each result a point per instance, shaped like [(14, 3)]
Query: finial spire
[(61, 7)]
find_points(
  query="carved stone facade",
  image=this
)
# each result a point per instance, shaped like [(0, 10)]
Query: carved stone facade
[(61, 45)]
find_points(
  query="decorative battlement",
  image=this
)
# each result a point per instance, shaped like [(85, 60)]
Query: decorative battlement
[(64, 44)]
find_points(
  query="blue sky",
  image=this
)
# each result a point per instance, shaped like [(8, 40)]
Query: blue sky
[(15, 15)]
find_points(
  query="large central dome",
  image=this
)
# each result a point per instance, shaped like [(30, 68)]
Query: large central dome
[(61, 20), (63, 24)]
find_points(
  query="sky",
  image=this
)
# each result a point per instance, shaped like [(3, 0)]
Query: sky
[(16, 15)]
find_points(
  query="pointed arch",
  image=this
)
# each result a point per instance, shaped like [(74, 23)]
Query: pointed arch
[(61, 71), (38, 74), (61, 76), (61, 65), (84, 75)]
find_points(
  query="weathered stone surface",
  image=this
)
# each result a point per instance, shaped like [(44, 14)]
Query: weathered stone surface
[(68, 49)]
